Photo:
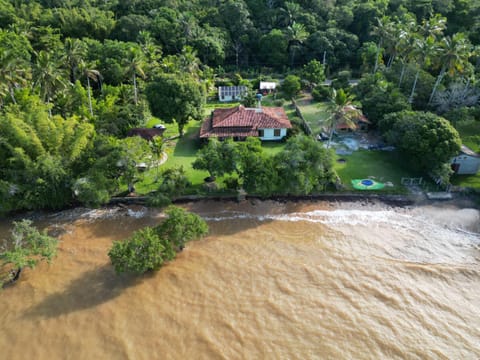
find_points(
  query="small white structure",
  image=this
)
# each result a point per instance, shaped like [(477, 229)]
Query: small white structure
[(467, 162), (231, 93), (266, 86)]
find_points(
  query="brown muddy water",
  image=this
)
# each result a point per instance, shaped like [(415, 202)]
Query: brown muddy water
[(271, 281)]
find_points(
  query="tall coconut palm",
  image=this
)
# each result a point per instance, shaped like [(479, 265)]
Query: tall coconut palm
[(423, 53), (14, 72), (48, 75), (381, 31), (454, 54), (90, 74), (342, 110), (135, 64), (75, 51), (296, 35)]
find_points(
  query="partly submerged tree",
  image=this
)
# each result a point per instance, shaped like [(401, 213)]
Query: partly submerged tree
[(149, 248), (26, 248), (141, 252), (181, 226)]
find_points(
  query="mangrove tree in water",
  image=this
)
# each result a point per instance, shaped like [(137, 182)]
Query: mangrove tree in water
[(149, 248), (26, 248)]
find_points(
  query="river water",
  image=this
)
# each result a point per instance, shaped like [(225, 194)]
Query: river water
[(309, 280)]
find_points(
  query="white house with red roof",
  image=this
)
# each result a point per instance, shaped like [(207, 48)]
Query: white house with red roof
[(267, 123)]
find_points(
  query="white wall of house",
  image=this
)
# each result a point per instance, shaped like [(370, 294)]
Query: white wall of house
[(467, 164), (269, 134)]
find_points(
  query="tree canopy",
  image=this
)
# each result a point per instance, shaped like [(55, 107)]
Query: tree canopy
[(26, 248), (149, 248), (427, 140)]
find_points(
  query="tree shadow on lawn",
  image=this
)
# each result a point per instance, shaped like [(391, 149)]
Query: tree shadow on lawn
[(189, 144), (92, 288)]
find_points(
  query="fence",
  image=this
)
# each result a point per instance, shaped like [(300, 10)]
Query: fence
[(306, 126)]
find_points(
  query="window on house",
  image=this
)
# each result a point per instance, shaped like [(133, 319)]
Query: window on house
[(276, 132), (261, 133)]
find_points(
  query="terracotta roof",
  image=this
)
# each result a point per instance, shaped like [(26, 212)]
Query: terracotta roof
[(241, 121)]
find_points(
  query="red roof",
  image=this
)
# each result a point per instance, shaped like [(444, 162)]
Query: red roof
[(242, 122), (359, 119)]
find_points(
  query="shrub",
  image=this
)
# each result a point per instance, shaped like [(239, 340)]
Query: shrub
[(321, 93), (141, 252)]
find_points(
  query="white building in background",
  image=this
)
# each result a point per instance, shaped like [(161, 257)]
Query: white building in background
[(267, 87), (231, 93), (467, 162)]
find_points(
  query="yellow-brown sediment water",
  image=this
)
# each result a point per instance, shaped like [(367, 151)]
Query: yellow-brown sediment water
[(271, 281)]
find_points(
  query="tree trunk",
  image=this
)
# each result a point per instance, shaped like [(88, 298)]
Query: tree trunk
[(402, 74), (12, 95), (390, 61), (89, 96), (375, 67), (14, 276), (330, 137), (412, 94), (437, 83), (135, 94)]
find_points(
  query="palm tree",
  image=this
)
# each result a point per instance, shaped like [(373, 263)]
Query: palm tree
[(13, 72), (423, 52), (405, 44), (48, 76), (296, 35), (454, 54), (135, 64), (93, 74), (342, 110), (289, 13), (382, 31), (75, 51)]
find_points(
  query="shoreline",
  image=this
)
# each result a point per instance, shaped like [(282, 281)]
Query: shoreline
[(402, 201)]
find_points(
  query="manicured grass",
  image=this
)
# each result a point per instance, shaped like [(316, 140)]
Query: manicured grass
[(469, 181), (181, 152), (315, 114), (384, 166), (470, 133)]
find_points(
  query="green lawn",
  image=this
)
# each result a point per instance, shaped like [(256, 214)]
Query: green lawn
[(314, 114), (470, 133), (181, 152), (384, 166), (468, 181)]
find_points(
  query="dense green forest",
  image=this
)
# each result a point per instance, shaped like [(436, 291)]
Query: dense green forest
[(75, 76)]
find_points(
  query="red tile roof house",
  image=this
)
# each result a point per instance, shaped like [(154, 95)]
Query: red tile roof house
[(267, 123)]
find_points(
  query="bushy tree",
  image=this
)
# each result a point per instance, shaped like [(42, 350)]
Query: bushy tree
[(379, 97), (313, 72), (141, 252), (427, 140), (217, 157), (304, 166), (181, 226), (26, 248), (149, 248), (175, 98), (291, 86)]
